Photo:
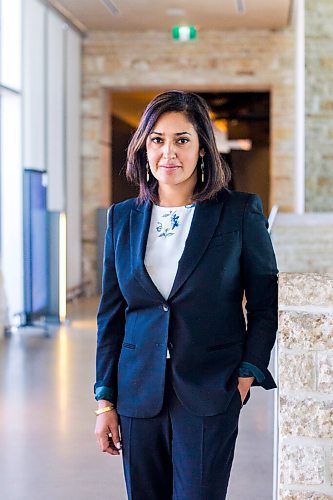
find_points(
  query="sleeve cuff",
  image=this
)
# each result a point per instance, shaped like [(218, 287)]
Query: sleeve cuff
[(103, 393), (249, 370)]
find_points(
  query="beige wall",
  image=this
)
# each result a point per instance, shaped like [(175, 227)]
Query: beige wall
[(319, 105), (304, 243), (231, 60)]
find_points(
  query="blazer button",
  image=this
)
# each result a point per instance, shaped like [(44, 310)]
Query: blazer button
[(165, 307)]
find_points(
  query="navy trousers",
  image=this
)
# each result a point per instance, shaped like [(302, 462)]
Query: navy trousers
[(176, 455)]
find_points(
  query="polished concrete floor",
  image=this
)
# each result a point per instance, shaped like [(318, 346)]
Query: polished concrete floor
[(47, 443)]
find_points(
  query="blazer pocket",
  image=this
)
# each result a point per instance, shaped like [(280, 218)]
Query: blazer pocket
[(129, 346), (217, 347)]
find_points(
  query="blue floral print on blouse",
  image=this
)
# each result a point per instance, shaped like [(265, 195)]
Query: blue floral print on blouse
[(174, 220), (167, 228)]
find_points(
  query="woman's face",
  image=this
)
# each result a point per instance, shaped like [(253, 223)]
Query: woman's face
[(173, 150)]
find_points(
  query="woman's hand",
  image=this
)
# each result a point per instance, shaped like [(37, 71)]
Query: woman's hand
[(107, 430), (244, 384)]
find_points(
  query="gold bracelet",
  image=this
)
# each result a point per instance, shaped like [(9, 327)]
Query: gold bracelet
[(105, 409)]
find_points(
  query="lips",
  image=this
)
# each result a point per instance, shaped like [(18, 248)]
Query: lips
[(170, 166)]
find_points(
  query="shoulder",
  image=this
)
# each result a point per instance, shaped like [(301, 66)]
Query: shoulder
[(239, 200), (122, 208), (120, 212)]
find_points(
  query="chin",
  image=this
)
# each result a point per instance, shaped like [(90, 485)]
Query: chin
[(169, 182)]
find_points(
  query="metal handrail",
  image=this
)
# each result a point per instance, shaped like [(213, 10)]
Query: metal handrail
[(276, 472), (272, 216)]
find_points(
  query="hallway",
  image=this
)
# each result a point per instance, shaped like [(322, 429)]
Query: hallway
[(48, 449)]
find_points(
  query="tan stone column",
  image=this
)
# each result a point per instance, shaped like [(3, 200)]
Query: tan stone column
[(96, 171), (305, 345)]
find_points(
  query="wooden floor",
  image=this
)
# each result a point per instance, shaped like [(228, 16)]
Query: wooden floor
[(48, 448)]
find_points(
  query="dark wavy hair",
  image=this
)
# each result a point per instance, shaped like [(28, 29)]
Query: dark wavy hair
[(217, 172)]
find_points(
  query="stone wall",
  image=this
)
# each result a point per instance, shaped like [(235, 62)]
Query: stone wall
[(230, 60), (304, 243), (305, 347), (319, 105)]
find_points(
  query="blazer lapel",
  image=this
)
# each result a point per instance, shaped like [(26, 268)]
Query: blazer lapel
[(139, 229), (205, 219)]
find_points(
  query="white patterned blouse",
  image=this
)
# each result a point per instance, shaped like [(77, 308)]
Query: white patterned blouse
[(169, 228)]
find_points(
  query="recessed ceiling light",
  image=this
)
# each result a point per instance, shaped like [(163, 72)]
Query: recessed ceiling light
[(111, 7), (175, 11)]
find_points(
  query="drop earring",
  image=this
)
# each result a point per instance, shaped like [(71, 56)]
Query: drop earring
[(202, 170), (147, 171)]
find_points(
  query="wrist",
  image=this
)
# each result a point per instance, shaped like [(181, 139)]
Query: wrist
[(246, 381), (102, 403)]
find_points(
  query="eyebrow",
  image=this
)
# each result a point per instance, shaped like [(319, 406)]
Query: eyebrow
[(177, 133)]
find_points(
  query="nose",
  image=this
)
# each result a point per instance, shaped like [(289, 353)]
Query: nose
[(168, 150)]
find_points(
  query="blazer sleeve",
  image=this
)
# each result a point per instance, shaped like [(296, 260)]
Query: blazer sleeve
[(260, 277), (110, 320)]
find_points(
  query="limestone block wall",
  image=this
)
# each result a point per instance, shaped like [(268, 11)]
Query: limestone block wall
[(304, 243), (217, 60), (319, 105), (305, 347)]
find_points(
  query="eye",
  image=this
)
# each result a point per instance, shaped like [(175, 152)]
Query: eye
[(156, 140), (183, 140)]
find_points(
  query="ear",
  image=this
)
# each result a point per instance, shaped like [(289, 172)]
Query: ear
[(202, 152)]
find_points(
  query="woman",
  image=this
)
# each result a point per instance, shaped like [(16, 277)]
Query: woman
[(175, 356)]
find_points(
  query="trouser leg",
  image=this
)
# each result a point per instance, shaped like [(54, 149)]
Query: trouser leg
[(203, 451), (146, 456), (179, 456)]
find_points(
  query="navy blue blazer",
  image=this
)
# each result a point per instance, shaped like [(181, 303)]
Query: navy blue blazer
[(228, 250)]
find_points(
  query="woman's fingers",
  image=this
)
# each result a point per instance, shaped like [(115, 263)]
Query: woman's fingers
[(107, 446), (107, 432), (244, 384), (242, 394), (115, 435)]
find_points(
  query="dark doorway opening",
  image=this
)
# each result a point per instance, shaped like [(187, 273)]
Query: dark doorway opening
[(245, 116), (240, 118)]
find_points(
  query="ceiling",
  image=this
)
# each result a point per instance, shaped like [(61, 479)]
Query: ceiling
[(162, 15), (240, 106)]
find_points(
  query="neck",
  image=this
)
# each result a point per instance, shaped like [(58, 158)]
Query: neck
[(175, 196)]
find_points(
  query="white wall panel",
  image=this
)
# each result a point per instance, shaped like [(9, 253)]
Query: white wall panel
[(55, 112), (11, 204), (10, 43), (73, 139), (33, 84)]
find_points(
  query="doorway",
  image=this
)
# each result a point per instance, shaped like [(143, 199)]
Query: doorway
[(241, 123)]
